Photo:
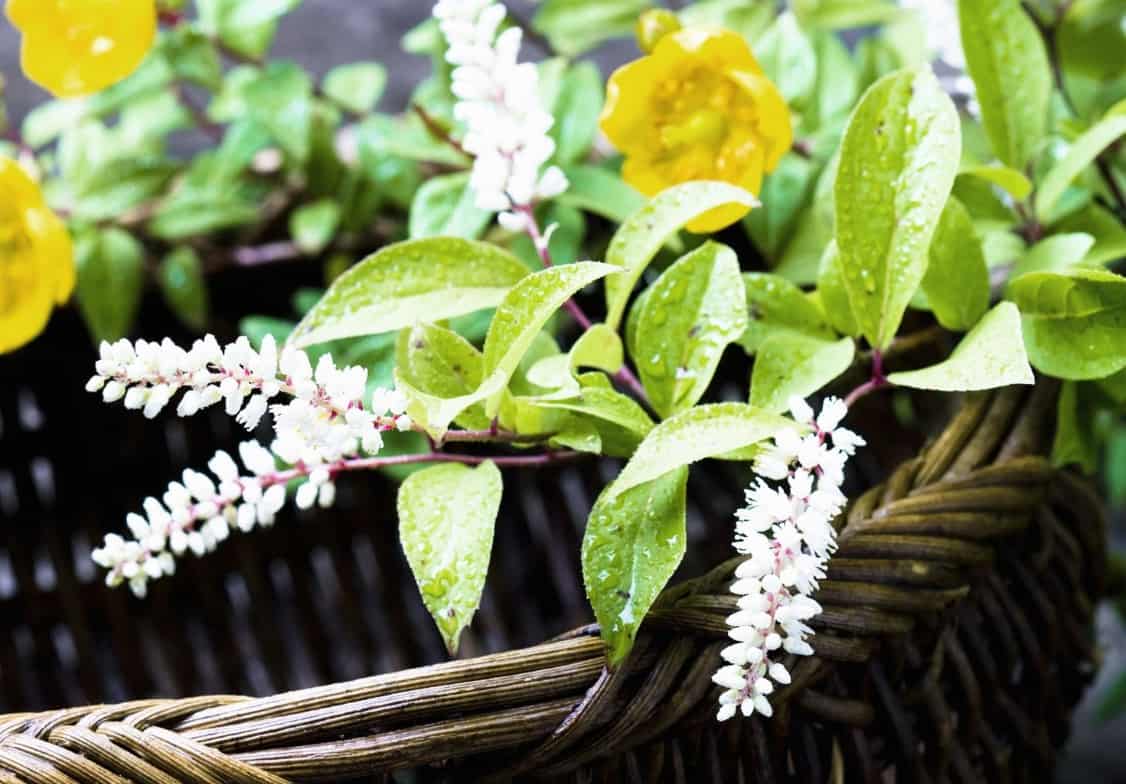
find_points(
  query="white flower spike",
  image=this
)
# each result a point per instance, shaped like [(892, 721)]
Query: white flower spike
[(786, 532)]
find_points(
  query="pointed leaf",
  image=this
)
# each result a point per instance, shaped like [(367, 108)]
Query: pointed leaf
[(791, 364), (1080, 155), (957, 281), (991, 355), (834, 295), (439, 362), (899, 157), (1054, 254), (598, 347), (775, 305)]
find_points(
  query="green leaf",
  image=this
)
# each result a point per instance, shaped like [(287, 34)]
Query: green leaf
[(638, 239), (634, 541), (444, 207), (784, 193), (312, 226), (790, 363), (1075, 442), (1006, 58), (185, 290), (356, 86), (281, 100), (441, 363), (598, 347), (1012, 181), (576, 112), (775, 305), (695, 309), (566, 240), (446, 519), (1054, 254), (111, 278), (844, 14), (621, 423), (709, 430), (602, 192), (834, 295), (1079, 156), (243, 14), (1074, 322), (575, 26), (957, 281), (787, 57), (837, 86), (991, 355), (801, 259), (1100, 223), (898, 161), (116, 185), (409, 282), (517, 323), (192, 56)]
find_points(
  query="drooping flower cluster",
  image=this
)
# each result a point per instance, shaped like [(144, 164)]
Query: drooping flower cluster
[(499, 103), (786, 531), (315, 433)]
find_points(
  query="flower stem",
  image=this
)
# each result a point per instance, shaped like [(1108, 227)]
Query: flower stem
[(877, 381)]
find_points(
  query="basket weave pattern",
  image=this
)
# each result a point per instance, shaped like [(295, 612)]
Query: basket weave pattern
[(955, 639)]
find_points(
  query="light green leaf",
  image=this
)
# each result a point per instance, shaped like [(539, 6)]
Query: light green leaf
[(111, 278), (600, 191), (575, 26), (789, 363), (1079, 156), (801, 259), (774, 306), (243, 14), (709, 430), (1054, 254), (634, 541), (312, 226), (185, 290), (844, 14), (446, 519), (784, 193), (787, 57), (991, 355), (898, 161), (693, 311), (1006, 58), (444, 207), (957, 281), (441, 363), (598, 347), (281, 99), (834, 296), (408, 282), (356, 86), (620, 421), (576, 112), (638, 239), (1100, 223), (1075, 442), (1074, 322), (1012, 181)]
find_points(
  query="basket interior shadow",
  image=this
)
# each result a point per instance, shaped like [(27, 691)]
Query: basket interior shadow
[(955, 638)]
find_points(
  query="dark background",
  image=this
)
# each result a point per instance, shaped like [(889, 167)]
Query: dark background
[(324, 33)]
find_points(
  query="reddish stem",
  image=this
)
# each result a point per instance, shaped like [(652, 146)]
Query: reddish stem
[(877, 381)]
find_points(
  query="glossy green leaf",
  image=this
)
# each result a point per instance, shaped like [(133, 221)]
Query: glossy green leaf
[(356, 86), (787, 57), (708, 430), (184, 287), (1074, 322), (1080, 155), (439, 362), (111, 278), (281, 100), (694, 310), (409, 282), (800, 262), (790, 363), (621, 423), (775, 305), (784, 193), (1100, 223), (1012, 181), (899, 157), (634, 541), (1075, 442), (601, 192), (576, 112), (444, 207), (598, 347), (1054, 254), (845, 14), (956, 284), (1006, 58), (446, 519), (312, 226), (834, 295), (638, 239), (575, 26), (991, 355)]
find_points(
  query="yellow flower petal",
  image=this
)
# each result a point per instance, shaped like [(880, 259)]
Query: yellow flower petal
[(773, 114), (25, 300), (626, 118)]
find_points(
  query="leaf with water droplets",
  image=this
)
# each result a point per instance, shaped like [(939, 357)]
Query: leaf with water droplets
[(899, 158), (634, 541), (1006, 58), (1074, 322), (409, 282), (694, 310), (710, 430), (776, 306), (956, 285), (834, 296), (446, 519), (990, 355), (598, 347), (638, 239), (791, 364), (441, 363), (620, 422)]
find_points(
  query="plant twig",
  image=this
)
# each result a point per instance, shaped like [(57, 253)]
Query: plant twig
[(877, 381), (437, 130)]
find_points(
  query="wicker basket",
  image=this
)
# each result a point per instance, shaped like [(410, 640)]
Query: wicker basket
[(955, 638)]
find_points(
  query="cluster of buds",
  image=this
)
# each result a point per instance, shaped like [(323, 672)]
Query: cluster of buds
[(499, 104), (323, 425), (786, 532)]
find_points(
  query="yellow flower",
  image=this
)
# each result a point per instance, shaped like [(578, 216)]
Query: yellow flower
[(697, 108), (77, 47), (36, 258)]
